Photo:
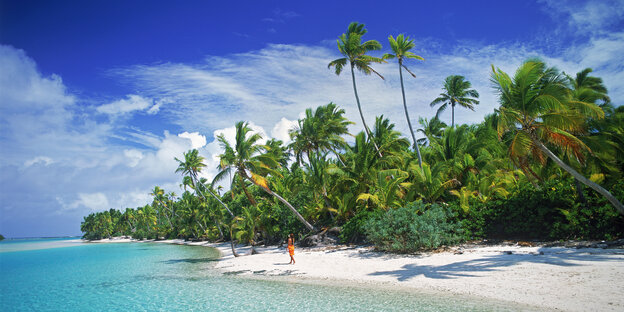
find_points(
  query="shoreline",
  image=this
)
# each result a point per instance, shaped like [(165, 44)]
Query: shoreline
[(558, 278)]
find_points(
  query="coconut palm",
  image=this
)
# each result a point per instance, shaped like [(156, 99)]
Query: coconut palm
[(321, 130), (159, 203), (246, 162), (432, 129), (536, 110), (456, 92), (588, 88), (354, 51), (192, 166), (401, 46)]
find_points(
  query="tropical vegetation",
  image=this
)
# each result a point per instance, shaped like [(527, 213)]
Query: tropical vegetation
[(547, 163)]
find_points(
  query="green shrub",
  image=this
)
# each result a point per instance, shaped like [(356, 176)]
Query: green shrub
[(552, 212), (354, 230), (414, 227)]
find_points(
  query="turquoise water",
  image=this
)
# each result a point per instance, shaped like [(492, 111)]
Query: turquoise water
[(164, 277)]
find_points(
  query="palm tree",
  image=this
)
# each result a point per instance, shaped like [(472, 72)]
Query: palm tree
[(432, 129), (589, 89), (536, 108), (320, 131), (192, 165), (401, 46), (159, 201), (456, 91), (246, 156), (354, 51)]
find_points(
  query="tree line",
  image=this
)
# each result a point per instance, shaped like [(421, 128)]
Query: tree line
[(546, 164)]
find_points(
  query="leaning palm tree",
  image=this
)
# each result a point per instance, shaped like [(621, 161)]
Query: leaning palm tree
[(536, 109), (246, 162), (456, 91), (401, 46), (192, 165), (354, 51)]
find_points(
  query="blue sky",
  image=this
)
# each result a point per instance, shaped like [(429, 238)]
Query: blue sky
[(98, 97)]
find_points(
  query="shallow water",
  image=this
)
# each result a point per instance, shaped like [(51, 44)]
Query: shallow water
[(164, 277)]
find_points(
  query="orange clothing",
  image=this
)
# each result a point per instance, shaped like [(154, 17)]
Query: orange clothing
[(291, 250)]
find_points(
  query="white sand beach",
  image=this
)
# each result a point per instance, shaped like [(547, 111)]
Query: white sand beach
[(558, 278)]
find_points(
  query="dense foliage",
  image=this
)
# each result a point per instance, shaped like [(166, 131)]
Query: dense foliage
[(414, 227), (547, 164)]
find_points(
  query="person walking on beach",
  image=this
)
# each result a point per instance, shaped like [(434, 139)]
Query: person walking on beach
[(291, 248)]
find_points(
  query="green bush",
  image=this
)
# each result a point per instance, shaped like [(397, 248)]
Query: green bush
[(353, 231), (414, 227), (552, 212)]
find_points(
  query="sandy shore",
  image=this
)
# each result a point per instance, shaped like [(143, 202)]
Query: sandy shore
[(566, 279)]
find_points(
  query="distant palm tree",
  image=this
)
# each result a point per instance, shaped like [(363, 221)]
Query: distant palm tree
[(354, 51), (456, 91), (536, 108), (401, 46), (192, 165), (432, 129), (159, 201)]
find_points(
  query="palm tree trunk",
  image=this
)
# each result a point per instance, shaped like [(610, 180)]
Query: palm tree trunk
[(357, 99), (232, 243), (213, 195), (249, 197), (579, 191), (612, 199), (452, 115), (338, 156), (285, 202), (409, 123), (168, 219)]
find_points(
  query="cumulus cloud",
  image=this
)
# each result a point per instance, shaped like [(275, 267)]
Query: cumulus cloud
[(93, 202), (197, 140), (281, 128), (59, 164)]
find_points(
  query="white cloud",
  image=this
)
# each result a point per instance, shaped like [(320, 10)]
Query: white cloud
[(39, 160), (197, 140), (92, 201), (592, 16), (134, 156), (281, 128), (132, 103)]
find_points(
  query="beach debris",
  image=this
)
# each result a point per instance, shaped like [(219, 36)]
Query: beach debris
[(327, 237), (508, 252)]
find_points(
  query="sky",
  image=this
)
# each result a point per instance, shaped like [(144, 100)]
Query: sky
[(97, 98)]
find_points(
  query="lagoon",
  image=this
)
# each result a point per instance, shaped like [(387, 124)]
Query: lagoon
[(165, 277)]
